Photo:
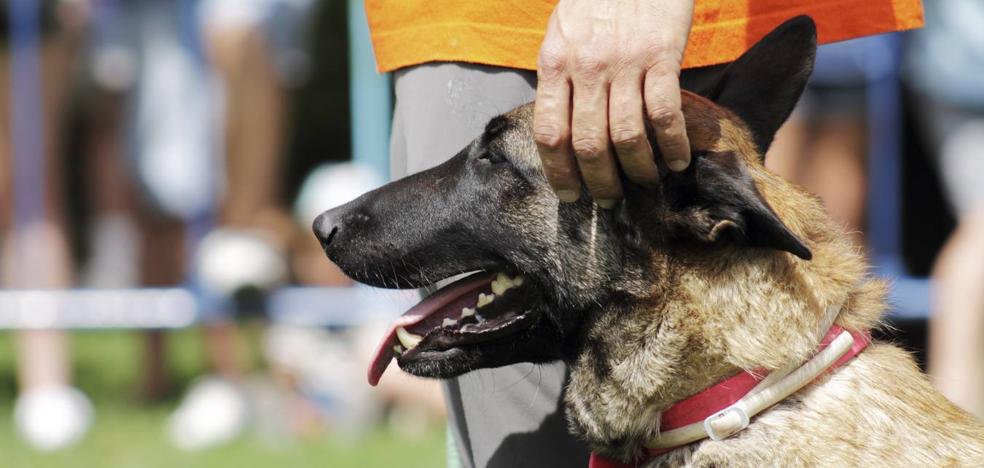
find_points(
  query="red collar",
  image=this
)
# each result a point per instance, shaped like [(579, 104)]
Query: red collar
[(722, 395)]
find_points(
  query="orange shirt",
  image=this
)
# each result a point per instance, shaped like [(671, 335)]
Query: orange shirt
[(508, 33)]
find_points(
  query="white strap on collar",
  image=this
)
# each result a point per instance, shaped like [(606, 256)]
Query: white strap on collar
[(777, 386)]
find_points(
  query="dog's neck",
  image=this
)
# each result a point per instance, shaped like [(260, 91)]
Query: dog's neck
[(710, 315)]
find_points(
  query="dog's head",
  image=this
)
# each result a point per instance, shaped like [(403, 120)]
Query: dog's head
[(544, 269)]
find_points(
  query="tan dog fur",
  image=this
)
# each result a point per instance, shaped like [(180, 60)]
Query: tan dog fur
[(716, 315)]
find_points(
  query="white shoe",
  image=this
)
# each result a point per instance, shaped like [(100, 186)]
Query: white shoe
[(53, 418), (214, 412)]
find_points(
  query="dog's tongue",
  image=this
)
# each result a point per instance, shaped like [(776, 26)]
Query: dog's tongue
[(429, 306)]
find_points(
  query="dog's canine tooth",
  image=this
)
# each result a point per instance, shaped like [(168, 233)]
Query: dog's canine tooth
[(398, 350), (467, 312), (518, 280), (502, 284), (449, 322), (484, 300), (408, 339)]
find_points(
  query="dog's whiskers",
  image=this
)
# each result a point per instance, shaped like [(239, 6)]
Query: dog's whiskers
[(420, 272), (539, 380)]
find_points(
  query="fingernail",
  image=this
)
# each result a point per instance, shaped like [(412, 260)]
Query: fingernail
[(606, 204), (677, 165), (567, 196)]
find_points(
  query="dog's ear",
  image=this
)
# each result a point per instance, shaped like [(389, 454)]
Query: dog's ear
[(764, 84), (717, 201)]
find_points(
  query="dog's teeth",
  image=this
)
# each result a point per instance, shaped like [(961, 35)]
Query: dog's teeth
[(467, 312), (479, 317), (449, 322), (501, 284), (408, 339), (484, 300), (398, 350)]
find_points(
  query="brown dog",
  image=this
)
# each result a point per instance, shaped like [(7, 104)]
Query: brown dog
[(723, 270)]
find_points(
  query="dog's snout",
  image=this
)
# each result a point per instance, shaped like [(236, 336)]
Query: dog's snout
[(325, 228)]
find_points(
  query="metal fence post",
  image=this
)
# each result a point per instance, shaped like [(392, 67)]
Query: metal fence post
[(369, 92)]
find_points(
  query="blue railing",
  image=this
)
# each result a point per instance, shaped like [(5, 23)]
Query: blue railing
[(909, 296)]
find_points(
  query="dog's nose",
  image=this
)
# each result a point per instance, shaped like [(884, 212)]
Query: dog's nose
[(325, 228)]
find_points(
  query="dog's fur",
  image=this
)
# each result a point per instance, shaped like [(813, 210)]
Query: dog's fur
[(721, 268)]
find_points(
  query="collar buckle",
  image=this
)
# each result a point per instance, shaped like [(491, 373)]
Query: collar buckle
[(726, 422)]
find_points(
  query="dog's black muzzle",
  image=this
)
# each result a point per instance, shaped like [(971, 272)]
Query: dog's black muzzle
[(415, 231), (325, 228)]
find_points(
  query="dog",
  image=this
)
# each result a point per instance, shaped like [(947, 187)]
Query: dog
[(719, 273)]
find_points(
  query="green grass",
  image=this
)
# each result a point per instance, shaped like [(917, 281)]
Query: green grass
[(127, 436), (129, 433)]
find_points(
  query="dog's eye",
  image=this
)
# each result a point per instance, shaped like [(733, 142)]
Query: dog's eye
[(493, 157)]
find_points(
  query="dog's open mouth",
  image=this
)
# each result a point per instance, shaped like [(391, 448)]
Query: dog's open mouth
[(479, 308)]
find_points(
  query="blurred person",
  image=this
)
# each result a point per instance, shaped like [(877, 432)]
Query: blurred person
[(258, 52), (153, 149), (607, 73), (34, 246), (823, 146), (202, 87), (945, 66)]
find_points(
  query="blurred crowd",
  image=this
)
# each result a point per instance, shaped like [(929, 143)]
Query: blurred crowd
[(185, 107), (185, 116)]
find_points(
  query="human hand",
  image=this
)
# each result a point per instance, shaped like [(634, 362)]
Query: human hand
[(605, 68)]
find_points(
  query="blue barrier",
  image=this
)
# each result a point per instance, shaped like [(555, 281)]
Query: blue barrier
[(98, 308), (370, 96), (909, 296), (170, 308)]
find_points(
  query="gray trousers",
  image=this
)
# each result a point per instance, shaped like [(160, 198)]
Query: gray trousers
[(510, 417)]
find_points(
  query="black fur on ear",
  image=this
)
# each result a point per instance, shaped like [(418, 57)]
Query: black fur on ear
[(716, 201), (764, 84)]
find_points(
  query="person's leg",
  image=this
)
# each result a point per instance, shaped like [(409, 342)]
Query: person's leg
[(161, 265), (34, 253), (114, 251), (251, 209), (510, 416), (255, 112), (43, 354), (822, 147), (255, 125), (956, 339), (786, 155), (116, 255), (835, 171)]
